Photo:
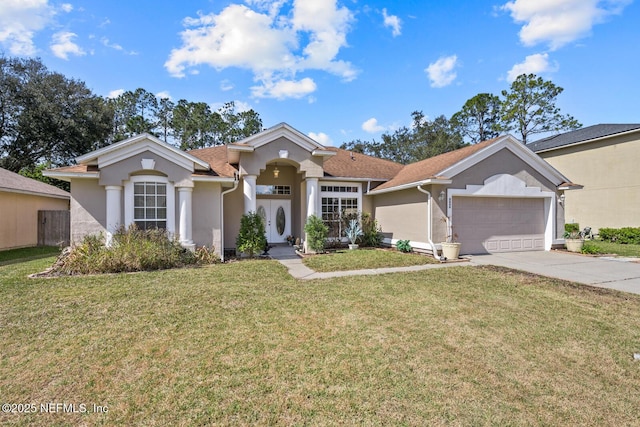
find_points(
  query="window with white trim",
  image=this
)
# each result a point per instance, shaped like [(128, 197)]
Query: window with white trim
[(149, 202), (339, 202), (150, 205)]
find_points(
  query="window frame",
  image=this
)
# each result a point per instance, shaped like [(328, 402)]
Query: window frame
[(129, 202), (340, 195)]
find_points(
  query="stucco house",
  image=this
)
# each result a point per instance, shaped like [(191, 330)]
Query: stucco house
[(604, 159), (499, 195), (20, 200)]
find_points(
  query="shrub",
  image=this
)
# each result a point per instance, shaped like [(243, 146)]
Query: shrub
[(403, 246), (131, 250), (625, 235), (572, 227), (354, 231), (316, 233), (371, 231), (251, 238)]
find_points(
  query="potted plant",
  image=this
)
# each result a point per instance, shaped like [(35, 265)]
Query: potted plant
[(353, 232), (572, 238), (290, 240), (450, 248)]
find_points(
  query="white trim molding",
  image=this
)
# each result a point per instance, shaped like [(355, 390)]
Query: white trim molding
[(171, 200)]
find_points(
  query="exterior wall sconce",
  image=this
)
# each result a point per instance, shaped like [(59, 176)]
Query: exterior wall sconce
[(276, 171), (561, 199), (442, 196)]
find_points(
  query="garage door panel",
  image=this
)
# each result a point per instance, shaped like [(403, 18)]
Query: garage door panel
[(492, 224)]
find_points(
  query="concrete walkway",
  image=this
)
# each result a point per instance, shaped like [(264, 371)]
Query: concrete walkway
[(287, 256), (622, 274)]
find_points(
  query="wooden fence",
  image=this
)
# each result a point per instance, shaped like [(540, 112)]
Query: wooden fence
[(53, 228)]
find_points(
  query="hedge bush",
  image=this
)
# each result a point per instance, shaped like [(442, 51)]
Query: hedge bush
[(131, 250), (316, 233), (625, 235)]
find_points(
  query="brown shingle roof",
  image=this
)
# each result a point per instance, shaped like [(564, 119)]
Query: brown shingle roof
[(10, 181), (217, 159), (77, 168), (433, 166), (346, 164)]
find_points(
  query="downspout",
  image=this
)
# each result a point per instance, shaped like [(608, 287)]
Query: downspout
[(236, 181), (429, 223)]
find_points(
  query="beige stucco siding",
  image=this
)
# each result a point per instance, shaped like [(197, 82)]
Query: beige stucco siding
[(502, 162), (206, 215), (402, 215), (254, 163), (19, 217), (88, 208), (608, 171), (117, 173), (233, 211)]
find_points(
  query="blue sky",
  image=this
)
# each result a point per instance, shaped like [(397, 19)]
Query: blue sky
[(339, 70)]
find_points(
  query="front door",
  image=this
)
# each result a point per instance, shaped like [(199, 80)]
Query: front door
[(276, 214)]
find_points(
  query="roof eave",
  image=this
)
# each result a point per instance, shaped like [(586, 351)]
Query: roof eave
[(428, 181), (66, 176), (586, 141), (570, 186), (35, 193)]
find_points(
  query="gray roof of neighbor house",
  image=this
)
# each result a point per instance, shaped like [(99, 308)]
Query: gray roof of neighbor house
[(14, 183), (581, 135)]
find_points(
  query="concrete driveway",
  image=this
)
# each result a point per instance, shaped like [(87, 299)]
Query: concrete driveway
[(621, 274)]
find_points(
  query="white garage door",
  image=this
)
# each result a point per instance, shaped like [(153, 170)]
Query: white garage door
[(495, 224)]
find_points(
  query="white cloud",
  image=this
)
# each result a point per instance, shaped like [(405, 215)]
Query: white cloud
[(20, 20), (533, 64), (107, 43), (321, 138), (226, 85), (372, 126), (62, 45), (274, 45), (66, 7), (115, 93), (164, 95), (392, 21), (283, 89), (558, 22), (441, 73)]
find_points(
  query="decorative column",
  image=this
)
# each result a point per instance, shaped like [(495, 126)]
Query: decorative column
[(312, 196), (114, 211), (184, 201), (249, 190)]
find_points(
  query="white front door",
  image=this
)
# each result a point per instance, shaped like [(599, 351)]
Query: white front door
[(276, 214)]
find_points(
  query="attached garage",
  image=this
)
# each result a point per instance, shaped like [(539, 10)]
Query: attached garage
[(498, 224)]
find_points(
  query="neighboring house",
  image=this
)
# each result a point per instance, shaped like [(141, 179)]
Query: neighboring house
[(604, 159), (20, 200), (499, 194)]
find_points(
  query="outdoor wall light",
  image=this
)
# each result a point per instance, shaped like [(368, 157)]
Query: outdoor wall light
[(276, 171), (561, 199), (442, 196)]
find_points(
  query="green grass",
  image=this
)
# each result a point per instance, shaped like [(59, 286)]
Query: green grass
[(364, 259), (245, 344), (21, 254), (614, 248)]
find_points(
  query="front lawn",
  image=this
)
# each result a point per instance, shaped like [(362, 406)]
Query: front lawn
[(11, 255), (245, 344), (365, 258), (614, 248)]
